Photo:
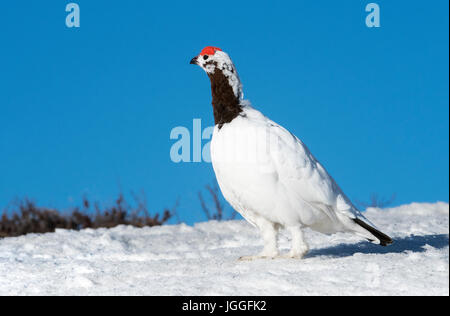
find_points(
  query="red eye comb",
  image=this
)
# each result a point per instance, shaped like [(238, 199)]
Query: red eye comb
[(209, 50)]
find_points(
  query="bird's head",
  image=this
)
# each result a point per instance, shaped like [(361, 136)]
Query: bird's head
[(216, 63), (210, 58)]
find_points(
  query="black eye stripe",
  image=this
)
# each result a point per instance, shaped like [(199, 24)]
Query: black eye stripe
[(205, 57)]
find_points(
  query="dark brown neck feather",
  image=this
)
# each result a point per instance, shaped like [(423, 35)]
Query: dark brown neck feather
[(225, 103)]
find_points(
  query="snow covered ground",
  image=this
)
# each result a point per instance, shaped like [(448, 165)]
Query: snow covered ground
[(202, 260)]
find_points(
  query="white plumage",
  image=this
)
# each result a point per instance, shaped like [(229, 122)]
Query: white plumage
[(270, 177)]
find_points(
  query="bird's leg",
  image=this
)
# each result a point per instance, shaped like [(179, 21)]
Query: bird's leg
[(269, 232), (299, 245)]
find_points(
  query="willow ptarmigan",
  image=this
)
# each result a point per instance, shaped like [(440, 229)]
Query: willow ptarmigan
[(267, 174)]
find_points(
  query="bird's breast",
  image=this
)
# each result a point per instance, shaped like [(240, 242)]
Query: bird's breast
[(243, 166)]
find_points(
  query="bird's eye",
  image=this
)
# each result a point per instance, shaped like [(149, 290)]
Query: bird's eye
[(205, 57)]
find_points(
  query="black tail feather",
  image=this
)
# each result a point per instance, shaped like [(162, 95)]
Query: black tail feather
[(384, 239)]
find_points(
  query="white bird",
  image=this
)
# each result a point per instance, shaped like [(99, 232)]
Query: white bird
[(267, 174)]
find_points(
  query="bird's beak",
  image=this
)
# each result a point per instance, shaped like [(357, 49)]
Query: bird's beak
[(194, 61)]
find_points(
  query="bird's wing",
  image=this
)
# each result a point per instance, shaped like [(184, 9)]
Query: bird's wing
[(301, 171)]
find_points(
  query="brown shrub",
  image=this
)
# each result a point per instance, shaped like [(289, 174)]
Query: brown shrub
[(32, 219)]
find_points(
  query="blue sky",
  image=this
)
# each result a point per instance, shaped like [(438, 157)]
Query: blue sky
[(89, 110)]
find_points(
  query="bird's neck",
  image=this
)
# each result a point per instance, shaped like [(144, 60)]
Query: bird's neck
[(226, 95)]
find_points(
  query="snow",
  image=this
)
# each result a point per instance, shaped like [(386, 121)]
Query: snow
[(202, 260)]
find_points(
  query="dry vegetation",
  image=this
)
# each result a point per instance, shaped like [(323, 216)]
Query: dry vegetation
[(217, 212), (25, 217), (377, 201), (28, 218)]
